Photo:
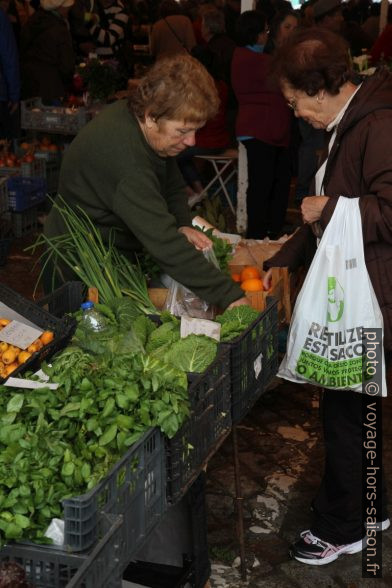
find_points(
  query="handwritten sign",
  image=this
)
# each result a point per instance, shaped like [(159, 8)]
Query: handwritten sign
[(19, 334)]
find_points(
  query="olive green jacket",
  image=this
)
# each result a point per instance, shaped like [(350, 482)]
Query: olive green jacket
[(113, 174)]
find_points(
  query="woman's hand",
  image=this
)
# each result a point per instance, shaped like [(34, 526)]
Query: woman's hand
[(200, 241), (267, 279), (312, 207), (239, 302)]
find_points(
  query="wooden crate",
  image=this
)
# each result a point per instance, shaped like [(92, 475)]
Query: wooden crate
[(280, 289)]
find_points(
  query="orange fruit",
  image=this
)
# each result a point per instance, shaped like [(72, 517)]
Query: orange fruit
[(23, 356), (38, 343), (3, 346), (4, 322), (252, 285), (32, 348), (236, 277), (11, 368), (250, 272), (9, 356), (47, 337)]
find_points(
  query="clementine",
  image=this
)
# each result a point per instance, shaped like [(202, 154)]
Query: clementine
[(250, 272), (252, 285)]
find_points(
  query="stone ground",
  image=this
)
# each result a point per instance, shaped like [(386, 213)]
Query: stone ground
[(281, 460)]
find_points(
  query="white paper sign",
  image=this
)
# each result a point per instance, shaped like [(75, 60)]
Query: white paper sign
[(30, 384), (196, 326), (258, 364), (19, 334)]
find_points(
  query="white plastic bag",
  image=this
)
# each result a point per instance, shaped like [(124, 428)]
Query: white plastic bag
[(337, 301), (181, 301)]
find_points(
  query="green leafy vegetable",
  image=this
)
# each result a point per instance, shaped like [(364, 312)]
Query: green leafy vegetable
[(193, 353), (236, 320), (165, 334), (222, 249)]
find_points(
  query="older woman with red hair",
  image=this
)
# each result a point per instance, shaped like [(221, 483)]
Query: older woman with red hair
[(121, 169)]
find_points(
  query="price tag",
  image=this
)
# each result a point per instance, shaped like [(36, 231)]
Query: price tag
[(258, 364), (19, 334), (198, 326), (30, 384)]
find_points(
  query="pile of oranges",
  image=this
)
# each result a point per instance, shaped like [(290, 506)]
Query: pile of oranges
[(11, 357), (250, 279)]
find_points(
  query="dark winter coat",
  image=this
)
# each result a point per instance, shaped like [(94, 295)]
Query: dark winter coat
[(360, 165), (47, 56)]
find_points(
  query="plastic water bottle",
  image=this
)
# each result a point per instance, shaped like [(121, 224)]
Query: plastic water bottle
[(92, 319)]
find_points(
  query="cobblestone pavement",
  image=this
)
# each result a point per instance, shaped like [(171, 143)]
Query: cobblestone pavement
[(281, 457)]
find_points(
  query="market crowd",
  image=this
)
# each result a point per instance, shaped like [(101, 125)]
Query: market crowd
[(43, 42)]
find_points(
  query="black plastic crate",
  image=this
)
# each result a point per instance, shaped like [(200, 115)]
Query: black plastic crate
[(210, 419), (192, 552), (154, 575), (65, 299), (24, 193), (134, 488), (57, 569), (5, 245), (249, 354), (30, 312), (24, 223)]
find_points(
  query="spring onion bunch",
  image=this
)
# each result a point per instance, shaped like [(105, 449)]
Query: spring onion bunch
[(94, 262)]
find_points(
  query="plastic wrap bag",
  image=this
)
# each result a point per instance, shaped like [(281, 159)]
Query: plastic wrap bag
[(182, 301)]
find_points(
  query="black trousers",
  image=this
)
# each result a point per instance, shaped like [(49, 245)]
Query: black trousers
[(269, 176), (339, 505)]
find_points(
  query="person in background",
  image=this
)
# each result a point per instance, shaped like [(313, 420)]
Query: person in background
[(173, 33), (263, 126), (381, 50), (318, 83), (211, 139), (9, 80), (221, 47), (46, 52), (218, 43), (108, 27), (121, 169), (371, 26), (281, 26)]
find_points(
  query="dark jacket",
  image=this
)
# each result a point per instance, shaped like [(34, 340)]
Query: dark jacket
[(360, 165), (9, 62), (47, 56), (262, 110)]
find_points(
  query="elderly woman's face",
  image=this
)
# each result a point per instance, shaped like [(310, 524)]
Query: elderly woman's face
[(313, 109), (169, 137)]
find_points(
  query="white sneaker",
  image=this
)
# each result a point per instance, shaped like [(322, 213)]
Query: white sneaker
[(316, 552)]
